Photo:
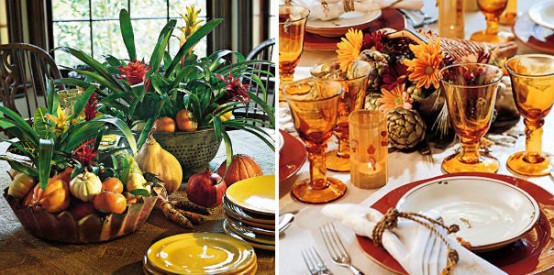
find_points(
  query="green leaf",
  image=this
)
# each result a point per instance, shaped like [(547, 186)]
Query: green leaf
[(71, 81), (99, 68), (127, 134), (191, 41), (99, 79), (261, 86), (145, 132), (39, 122), (81, 102), (269, 110), (113, 61), (21, 124), (46, 151), (53, 99), (127, 33), (159, 50), (218, 128), (167, 60), (31, 171), (140, 192), (20, 148), (228, 150), (189, 72)]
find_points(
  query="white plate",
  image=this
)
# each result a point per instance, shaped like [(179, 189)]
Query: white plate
[(490, 213), (339, 26), (543, 13)]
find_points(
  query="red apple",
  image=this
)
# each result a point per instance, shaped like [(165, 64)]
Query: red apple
[(206, 189)]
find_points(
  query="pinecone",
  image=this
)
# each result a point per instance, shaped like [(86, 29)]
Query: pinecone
[(372, 101), (406, 128), (415, 93), (379, 61)]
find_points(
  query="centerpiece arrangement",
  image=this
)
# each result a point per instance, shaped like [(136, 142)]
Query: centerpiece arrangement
[(404, 82), (187, 99)]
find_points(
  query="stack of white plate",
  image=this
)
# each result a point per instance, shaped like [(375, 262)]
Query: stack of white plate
[(250, 211)]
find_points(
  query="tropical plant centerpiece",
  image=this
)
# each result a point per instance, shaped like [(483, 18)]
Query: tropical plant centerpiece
[(404, 82), (188, 100), (62, 188)]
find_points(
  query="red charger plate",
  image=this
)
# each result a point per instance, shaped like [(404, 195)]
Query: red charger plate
[(532, 254), (291, 157), (390, 18)]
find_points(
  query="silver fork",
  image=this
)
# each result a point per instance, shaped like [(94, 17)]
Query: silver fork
[(313, 261), (336, 248)]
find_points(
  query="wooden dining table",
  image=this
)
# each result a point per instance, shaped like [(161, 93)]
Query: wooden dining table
[(403, 169), (22, 253)]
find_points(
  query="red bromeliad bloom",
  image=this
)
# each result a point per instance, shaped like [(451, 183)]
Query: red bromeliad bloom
[(374, 39), (90, 108), (134, 72), (85, 152), (235, 89), (393, 75)]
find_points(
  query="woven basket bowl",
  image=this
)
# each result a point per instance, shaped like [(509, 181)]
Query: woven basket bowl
[(62, 227), (194, 150)]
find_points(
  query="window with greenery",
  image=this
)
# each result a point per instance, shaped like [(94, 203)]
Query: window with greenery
[(93, 26)]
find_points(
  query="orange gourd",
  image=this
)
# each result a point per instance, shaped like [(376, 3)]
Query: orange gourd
[(54, 198), (110, 202), (242, 167), (65, 175), (185, 121), (165, 124)]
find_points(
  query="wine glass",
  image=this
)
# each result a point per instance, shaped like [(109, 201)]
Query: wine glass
[(532, 78), (292, 22), (354, 84), (314, 108), (470, 90), (492, 9)]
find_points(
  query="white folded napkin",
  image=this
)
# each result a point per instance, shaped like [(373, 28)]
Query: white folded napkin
[(410, 243), (335, 8)]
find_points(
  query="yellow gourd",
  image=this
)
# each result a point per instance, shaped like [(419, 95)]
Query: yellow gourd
[(136, 181), (152, 158), (21, 185)]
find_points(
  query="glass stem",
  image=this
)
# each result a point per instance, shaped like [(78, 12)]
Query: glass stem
[(342, 134), (318, 168), (470, 151), (492, 24), (533, 141)]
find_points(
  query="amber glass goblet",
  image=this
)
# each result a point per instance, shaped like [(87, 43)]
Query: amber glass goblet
[(354, 83), (532, 78), (314, 107), (292, 22), (470, 90), (492, 9)]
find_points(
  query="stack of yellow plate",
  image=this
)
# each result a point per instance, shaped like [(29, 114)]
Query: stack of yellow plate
[(200, 253), (250, 211)]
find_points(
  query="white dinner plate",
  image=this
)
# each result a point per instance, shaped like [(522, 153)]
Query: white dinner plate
[(489, 212), (339, 26), (542, 13)]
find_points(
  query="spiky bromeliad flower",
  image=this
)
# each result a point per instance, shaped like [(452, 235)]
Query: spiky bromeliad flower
[(235, 90), (424, 68), (90, 108), (60, 121), (192, 24), (85, 153), (134, 72)]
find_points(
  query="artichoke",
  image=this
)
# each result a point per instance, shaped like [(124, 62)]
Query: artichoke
[(379, 61), (372, 101), (406, 128), (415, 93)]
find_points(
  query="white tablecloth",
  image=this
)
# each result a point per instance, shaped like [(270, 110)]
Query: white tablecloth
[(403, 168)]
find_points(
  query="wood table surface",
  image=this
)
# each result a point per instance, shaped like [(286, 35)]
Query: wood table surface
[(21, 253)]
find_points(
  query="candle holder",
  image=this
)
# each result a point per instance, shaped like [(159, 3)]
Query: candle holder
[(368, 149), (313, 103), (470, 90), (354, 84), (532, 78)]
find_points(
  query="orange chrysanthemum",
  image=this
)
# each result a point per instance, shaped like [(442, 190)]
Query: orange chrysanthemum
[(395, 98), (424, 68), (349, 48)]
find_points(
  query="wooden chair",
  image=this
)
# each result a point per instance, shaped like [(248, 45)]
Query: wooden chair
[(24, 69), (264, 51)]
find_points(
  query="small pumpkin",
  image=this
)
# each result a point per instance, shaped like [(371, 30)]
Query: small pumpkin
[(186, 121), (65, 175), (136, 181), (152, 158), (21, 185), (165, 124), (85, 186), (242, 167), (113, 185), (12, 173), (54, 198), (110, 202)]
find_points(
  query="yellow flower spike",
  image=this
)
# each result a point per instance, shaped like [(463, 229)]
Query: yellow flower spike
[(60, 120), (349, 48), (192, 24)]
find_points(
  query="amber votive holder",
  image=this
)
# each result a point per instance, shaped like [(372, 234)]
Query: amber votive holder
[(368, 149)]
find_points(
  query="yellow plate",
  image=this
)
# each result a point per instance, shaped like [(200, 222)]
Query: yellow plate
[(254, 194), (230, 232), (200, 253)]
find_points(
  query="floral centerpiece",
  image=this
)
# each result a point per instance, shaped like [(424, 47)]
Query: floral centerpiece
[(62, 188), (179, 94), (404, 81)]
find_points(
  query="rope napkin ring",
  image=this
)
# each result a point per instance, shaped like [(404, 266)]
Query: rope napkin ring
[(390, 220)]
